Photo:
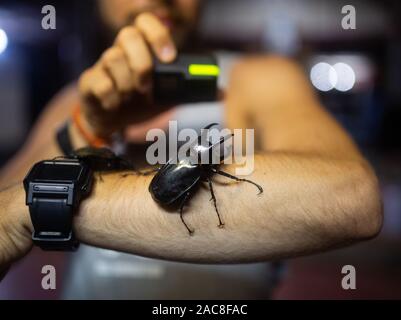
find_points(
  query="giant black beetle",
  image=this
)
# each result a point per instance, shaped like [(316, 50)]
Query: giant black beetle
[(174, 183), (100, 159)]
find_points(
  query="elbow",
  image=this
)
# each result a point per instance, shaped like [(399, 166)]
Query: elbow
[(367, 209)]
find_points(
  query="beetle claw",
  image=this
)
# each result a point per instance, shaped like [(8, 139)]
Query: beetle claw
[(221, 226)]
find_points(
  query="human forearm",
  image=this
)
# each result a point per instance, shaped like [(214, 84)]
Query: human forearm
[(15, 226), (309, 204)]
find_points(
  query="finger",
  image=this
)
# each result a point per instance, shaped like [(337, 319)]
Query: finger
[(158, 36), (116, 64), (97, 82), (138, 55)]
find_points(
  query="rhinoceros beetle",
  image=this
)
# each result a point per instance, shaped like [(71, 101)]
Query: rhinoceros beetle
[(176, 182), (100, 159)]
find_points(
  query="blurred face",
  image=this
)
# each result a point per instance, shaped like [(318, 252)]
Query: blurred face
[(179, 15)]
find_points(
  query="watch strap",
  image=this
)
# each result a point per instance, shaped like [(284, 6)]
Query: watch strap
[(64, 140), (52, 222)]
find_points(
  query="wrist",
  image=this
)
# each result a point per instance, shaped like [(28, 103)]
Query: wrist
[(85, 132), (77, 140), (15, 225)]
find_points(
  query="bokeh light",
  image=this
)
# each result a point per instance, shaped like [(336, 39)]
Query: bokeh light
[(3, 41), (345, 77), (323, 76)]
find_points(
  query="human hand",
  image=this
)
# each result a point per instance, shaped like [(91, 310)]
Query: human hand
[(116, 91)]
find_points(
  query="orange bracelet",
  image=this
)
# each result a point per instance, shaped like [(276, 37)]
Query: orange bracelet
[(92, 139)]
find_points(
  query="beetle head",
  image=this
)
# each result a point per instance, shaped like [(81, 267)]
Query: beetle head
[(208, 153)]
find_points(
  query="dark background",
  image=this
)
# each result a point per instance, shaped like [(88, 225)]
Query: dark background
[(38, 63)]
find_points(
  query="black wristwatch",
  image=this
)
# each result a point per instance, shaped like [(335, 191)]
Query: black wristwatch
[(54, 190)]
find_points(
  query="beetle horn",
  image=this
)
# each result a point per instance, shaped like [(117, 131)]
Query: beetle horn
[(210, 125), (204, 132), (222, 151), (222, 140)]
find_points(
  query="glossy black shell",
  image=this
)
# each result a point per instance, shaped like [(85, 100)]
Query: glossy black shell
[(102, 159), (173, 181)]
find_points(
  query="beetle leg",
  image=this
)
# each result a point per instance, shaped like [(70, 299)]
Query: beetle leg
[(183, 203), (126, 163), (141, 173), (227, 175), (149, 172), (129, 174), (221, 224), (100, 177)]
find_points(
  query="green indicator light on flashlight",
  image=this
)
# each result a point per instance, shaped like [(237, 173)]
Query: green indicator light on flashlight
[(204, 70)]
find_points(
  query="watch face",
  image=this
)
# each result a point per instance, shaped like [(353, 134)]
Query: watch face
[(57, 171)]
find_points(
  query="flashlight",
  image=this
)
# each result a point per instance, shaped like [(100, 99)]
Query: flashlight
[(189, 79)]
